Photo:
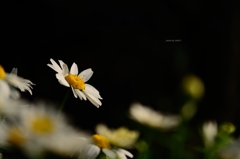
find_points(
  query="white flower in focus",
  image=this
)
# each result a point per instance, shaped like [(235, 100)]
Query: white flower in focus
[(91, 151), (152, 118), (77, 81), (121, 137), (210, 131), (11, 79)]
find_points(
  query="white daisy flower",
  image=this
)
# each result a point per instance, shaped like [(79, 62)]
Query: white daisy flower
[(152, 118), (38, 129), (77, 81), (121, 137), (11, 79), (91, 151), (51, 131)]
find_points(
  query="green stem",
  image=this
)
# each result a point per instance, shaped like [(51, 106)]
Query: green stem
[(2, 117), (149, 138), (63, 102)]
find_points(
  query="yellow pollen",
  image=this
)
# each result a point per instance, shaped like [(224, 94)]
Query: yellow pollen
[(101, 141), (75, 81), (2, 73), (15, 136), (42, 125)]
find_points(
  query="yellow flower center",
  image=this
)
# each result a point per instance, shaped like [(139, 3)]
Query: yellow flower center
[(42, 125), (2, 73), (101, 141), (15, 136), (75, 81)]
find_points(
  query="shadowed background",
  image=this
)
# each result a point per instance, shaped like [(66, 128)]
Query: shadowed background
[(125, 43)]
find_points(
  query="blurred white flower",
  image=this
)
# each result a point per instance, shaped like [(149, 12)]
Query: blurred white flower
[(38, 129), (11, 79), (210, 131), (10, 107), (68, 142), (77, 81), (91, 151), (152, 118), (121, 137)]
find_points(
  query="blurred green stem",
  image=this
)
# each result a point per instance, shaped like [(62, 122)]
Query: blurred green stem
[(64, 102), (146, 154)]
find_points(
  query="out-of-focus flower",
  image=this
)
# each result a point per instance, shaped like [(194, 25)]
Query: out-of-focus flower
[(189, 109), (231, 151), (91, 151), (77, 81), (227, 127), (193, 86), (38, 129), (68, 143), (210, 131), (11, 79), (121, 137), (152, 118), (10, 107)]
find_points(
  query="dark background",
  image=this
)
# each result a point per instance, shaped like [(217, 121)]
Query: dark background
[(125, 43)]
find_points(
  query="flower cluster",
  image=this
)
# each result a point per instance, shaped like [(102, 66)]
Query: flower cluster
[(37, 130)]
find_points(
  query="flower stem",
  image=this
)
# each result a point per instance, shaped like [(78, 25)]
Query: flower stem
[(63, 102)]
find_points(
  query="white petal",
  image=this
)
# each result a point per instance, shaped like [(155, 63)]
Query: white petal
[(55, 66), (89, 152), (86, 74), (52, 67), (74, 69), (74, 93), (95, 101), (14, 71), (125, 152), (121, 155), (14, 93), (91, 90), (64, 83), (4, 89), (109, 153), (59, 76), (80, 94), (61, 63), (21, 83), (62, 80), (65, 70)]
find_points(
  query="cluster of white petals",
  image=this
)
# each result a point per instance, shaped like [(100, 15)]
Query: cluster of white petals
[(9, 80)]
